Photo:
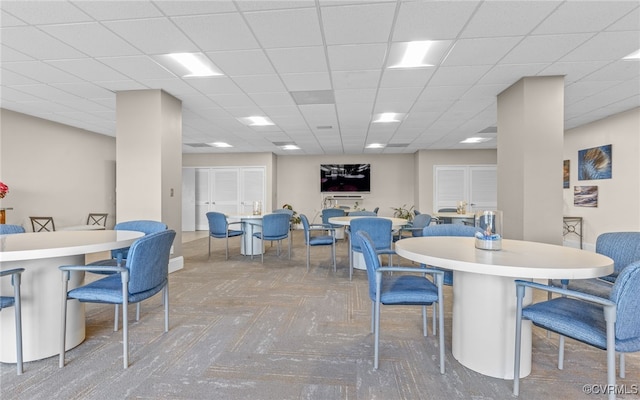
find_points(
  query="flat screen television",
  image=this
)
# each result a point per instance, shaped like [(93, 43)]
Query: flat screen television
[(345, 178)]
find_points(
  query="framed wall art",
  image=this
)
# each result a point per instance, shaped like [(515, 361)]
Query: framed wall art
[(566, 173), (585, 196), (595, 163)]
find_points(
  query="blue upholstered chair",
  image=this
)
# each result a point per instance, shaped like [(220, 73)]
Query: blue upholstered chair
[(400, 289), (622, 247), (379, 230), (219, 229), (446, 220), (146, 273), (611, 324), (6, 229), (14, 301), (416, 226), (119, 256), (362, 213), (326, 238), (330, 213), (275, 227)]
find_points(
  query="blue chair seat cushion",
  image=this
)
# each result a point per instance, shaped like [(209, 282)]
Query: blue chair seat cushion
[(320, 240), (275, 237), (231, 233), (576, 319), (109, 290), (6, 301), (407, 290)]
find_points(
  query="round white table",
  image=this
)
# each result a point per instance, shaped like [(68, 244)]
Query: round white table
[(41, 254), (358, 258), (250, 224), (484, 298)]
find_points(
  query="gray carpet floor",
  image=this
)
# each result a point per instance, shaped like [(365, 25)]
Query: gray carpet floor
[(240, 329)]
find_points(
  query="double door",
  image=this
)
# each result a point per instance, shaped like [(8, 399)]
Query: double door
[(231, 191), (477, 185)]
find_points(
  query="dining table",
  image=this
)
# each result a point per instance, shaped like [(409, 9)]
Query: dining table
[(251, 223), (40, 254), (484, 295), (358, 258)]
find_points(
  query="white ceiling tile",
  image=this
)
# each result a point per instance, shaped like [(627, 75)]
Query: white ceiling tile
[(242, 62), (175, 87), (366, 23), (109, 10), (260, 83), (153, 36), (350, 96), (572, 71), (137, 67), (9, 20), (544, 48), (11, 95), (88, 69), (92, 39), (232, 100), (276, 99), (308, 81), (362, 57), (117, 86), (7, 54), (618, 70), (286, 28), (436, 20), (414, 77), (181, 7), (584, 16), (480, 51), (13, 79), (217, 32), (85, 90), (461, 75), (40, 72), (507, 74), (44, 12), (599, 47), (298, 59), (507, 18), (355, 79), (215, 85), (629, 22), (281, 111), (402, 94), (35, 43)]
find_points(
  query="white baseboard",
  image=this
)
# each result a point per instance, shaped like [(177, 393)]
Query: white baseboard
[(176, 264)]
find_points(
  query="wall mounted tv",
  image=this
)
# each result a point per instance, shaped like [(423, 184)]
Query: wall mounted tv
[(345, 178)]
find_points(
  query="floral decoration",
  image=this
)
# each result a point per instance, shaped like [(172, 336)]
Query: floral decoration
[(4, 189)]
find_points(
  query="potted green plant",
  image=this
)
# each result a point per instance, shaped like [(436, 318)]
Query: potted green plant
[(403, 212), (295, 218)]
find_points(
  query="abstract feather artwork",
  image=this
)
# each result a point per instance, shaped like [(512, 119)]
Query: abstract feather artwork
[(585, 196), (566, 174), (594, 163)]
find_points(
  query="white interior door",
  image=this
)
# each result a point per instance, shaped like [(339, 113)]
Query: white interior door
[(225, 190), (483, 188), (202, 201), (252, 184), (477, 185)]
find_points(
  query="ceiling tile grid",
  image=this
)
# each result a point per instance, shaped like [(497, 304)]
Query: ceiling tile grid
[(65, 60)]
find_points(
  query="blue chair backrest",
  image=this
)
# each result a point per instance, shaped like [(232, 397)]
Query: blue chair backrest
[(283, 211), (625, 294), (420, 221), (378, 229), (305, 225), (449, 230), (622, 247), (10, 229), (148, 261), (371, 259), (143, 225), (330, 213), (275, 226), (362, 213), (218, 224)]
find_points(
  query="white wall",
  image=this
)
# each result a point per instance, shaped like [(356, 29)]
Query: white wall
[(55, 170), (619, 197), (392, 182)]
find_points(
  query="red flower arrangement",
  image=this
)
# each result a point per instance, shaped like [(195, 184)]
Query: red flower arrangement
[(4, 189)]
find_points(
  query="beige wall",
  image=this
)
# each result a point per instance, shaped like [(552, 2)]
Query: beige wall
[(55, 170), (392, 182), (426, 160), (619, 197)]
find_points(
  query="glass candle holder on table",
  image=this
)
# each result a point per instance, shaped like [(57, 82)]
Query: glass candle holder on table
[(489, 235)]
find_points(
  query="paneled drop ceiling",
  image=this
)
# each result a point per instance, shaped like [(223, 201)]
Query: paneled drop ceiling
[(317, 68)]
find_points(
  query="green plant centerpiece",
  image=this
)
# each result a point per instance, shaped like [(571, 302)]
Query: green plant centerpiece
[(295, 218), (403, 212)]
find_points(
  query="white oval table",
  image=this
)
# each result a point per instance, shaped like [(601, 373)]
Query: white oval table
[(484, 296), (249, 246), (40, 254)]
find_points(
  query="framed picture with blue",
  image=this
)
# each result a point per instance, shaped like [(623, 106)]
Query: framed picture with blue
[(566, 173), (585, 196), (595, 163)]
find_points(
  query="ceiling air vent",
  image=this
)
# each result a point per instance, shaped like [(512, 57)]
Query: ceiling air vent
[(490, 129), (313, 97)]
